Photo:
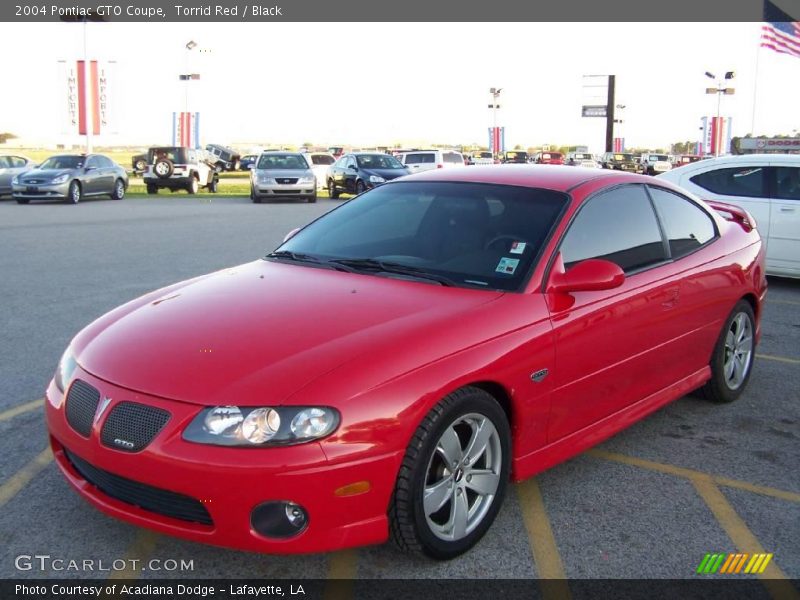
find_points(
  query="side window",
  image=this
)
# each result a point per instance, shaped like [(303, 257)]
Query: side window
[(351, 162), (428, 157), (739, 181), (104, 162), (686, 225), (16, 161), (91, 162), (412, 159), (787, 183), (618, 225)]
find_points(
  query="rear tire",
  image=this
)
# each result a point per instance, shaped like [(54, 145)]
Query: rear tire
[(448, 492), (118, 193), (732, 361)]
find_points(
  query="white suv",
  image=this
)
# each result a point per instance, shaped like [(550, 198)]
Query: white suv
[(767, 186), (655, 164), (425, 160)]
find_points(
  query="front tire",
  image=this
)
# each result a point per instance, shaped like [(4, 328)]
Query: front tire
[(454, 476), (360, 188), (212, 187), (74, 192), (152, 189), (193, 186), (312, 199), (23, 200), (732, 361)]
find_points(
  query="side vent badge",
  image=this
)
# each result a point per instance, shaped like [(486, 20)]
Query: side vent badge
[(539, 375)]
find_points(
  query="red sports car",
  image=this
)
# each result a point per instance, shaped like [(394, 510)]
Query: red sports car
[(392, 365)]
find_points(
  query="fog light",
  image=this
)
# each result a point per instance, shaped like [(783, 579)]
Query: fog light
[(279, 519)]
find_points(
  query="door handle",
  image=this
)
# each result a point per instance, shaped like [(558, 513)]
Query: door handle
[(787, 209)]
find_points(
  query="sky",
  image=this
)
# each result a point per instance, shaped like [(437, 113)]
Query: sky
[(408, 83)]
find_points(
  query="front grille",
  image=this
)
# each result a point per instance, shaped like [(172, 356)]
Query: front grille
[(82, 402), (286, 180), (146, 497), (131, 426)]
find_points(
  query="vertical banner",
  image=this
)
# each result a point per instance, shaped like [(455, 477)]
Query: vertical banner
[(87, 87), (185, 129), (716, 137), (497, 139), (619, 144)]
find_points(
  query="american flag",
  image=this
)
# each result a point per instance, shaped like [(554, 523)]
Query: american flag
[(781, 36)]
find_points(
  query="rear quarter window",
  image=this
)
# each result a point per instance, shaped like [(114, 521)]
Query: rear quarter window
[(686, 225), (746, 181)]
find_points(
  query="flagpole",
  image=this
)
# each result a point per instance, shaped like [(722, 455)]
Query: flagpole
[(86, 92), (755, 89)]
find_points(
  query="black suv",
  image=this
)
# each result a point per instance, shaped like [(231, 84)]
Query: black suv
[(514, 156), (180, 168), (620, 161), (228, 158)]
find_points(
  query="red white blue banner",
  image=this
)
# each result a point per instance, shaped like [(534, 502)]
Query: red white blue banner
[(186, 129)]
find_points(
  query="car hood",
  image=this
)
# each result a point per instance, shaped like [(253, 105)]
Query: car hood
[(289, 173), (258, 333), (45, 174), (387, 174)]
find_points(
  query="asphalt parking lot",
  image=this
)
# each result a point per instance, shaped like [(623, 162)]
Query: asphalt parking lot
[(691, 479)]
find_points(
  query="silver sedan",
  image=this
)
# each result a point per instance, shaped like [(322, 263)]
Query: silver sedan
[(282, 175), (71, 177), (10, 166)]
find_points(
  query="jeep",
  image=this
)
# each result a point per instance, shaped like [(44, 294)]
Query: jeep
[(179, 168)]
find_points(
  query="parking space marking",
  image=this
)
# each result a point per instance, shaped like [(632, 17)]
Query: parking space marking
[(773, 577), (546, 556), (783, 359), (140, 551), (342, 570), (21, 478), (690, 473), (22, 408), (789, 302)]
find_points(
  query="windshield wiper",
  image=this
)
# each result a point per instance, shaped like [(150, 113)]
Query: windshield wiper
[(375, 265), (299, 257)]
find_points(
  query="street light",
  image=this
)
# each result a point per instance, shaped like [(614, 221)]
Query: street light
[(719, 91), (495, 92)]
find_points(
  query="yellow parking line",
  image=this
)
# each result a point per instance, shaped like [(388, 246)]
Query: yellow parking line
[(790, 302), (690, 473), (783, 359), (21, 478), (773, 577), (139, 551), (342, 570), (543, 544), (22, 408)]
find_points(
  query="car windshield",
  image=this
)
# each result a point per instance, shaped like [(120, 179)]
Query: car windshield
[(473, 234), (583, 156), (482, 155), (322, 159), (658, 157), (517, 156), (378, 161), (623, 157), (63, 162), (282, 161)]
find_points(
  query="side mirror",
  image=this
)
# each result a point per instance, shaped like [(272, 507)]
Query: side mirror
[(291, 234), (593, 274), (87, 169), (353, 168)]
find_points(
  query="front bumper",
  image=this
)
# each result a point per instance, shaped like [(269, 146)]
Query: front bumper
[(278, 190), (229, 482), (41, 191)]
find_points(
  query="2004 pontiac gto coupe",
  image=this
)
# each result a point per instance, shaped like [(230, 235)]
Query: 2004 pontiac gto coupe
[(391, 366)]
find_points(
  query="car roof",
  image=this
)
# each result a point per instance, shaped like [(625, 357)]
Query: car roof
[(553, 177)]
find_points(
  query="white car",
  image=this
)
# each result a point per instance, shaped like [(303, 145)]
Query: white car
[(655, 164), (319, 163), (425, 160), (767, 186)]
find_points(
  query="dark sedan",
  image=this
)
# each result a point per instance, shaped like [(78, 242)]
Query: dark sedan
[(359, 171), (71, 177)]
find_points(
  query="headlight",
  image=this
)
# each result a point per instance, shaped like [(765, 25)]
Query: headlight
[(265, 180), (261, 426), (60, 178), (15, 180), (65, 370), (310, 179), (376, 179)]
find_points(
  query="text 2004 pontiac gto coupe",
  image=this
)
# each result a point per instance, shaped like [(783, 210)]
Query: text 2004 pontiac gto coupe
[(390, 367)]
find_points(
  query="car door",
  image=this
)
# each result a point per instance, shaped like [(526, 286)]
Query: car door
[(106, 174), (783, 246), (90, 176), (613, 347), (350, 174)]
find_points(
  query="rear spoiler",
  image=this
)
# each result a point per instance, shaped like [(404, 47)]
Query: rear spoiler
[(734, 213)]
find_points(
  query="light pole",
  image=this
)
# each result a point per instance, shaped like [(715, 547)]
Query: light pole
[(495, 92), (187, 76), (719, 91)]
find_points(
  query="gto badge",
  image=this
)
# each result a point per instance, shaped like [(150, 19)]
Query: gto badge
[(124, 443), (539, 375)]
